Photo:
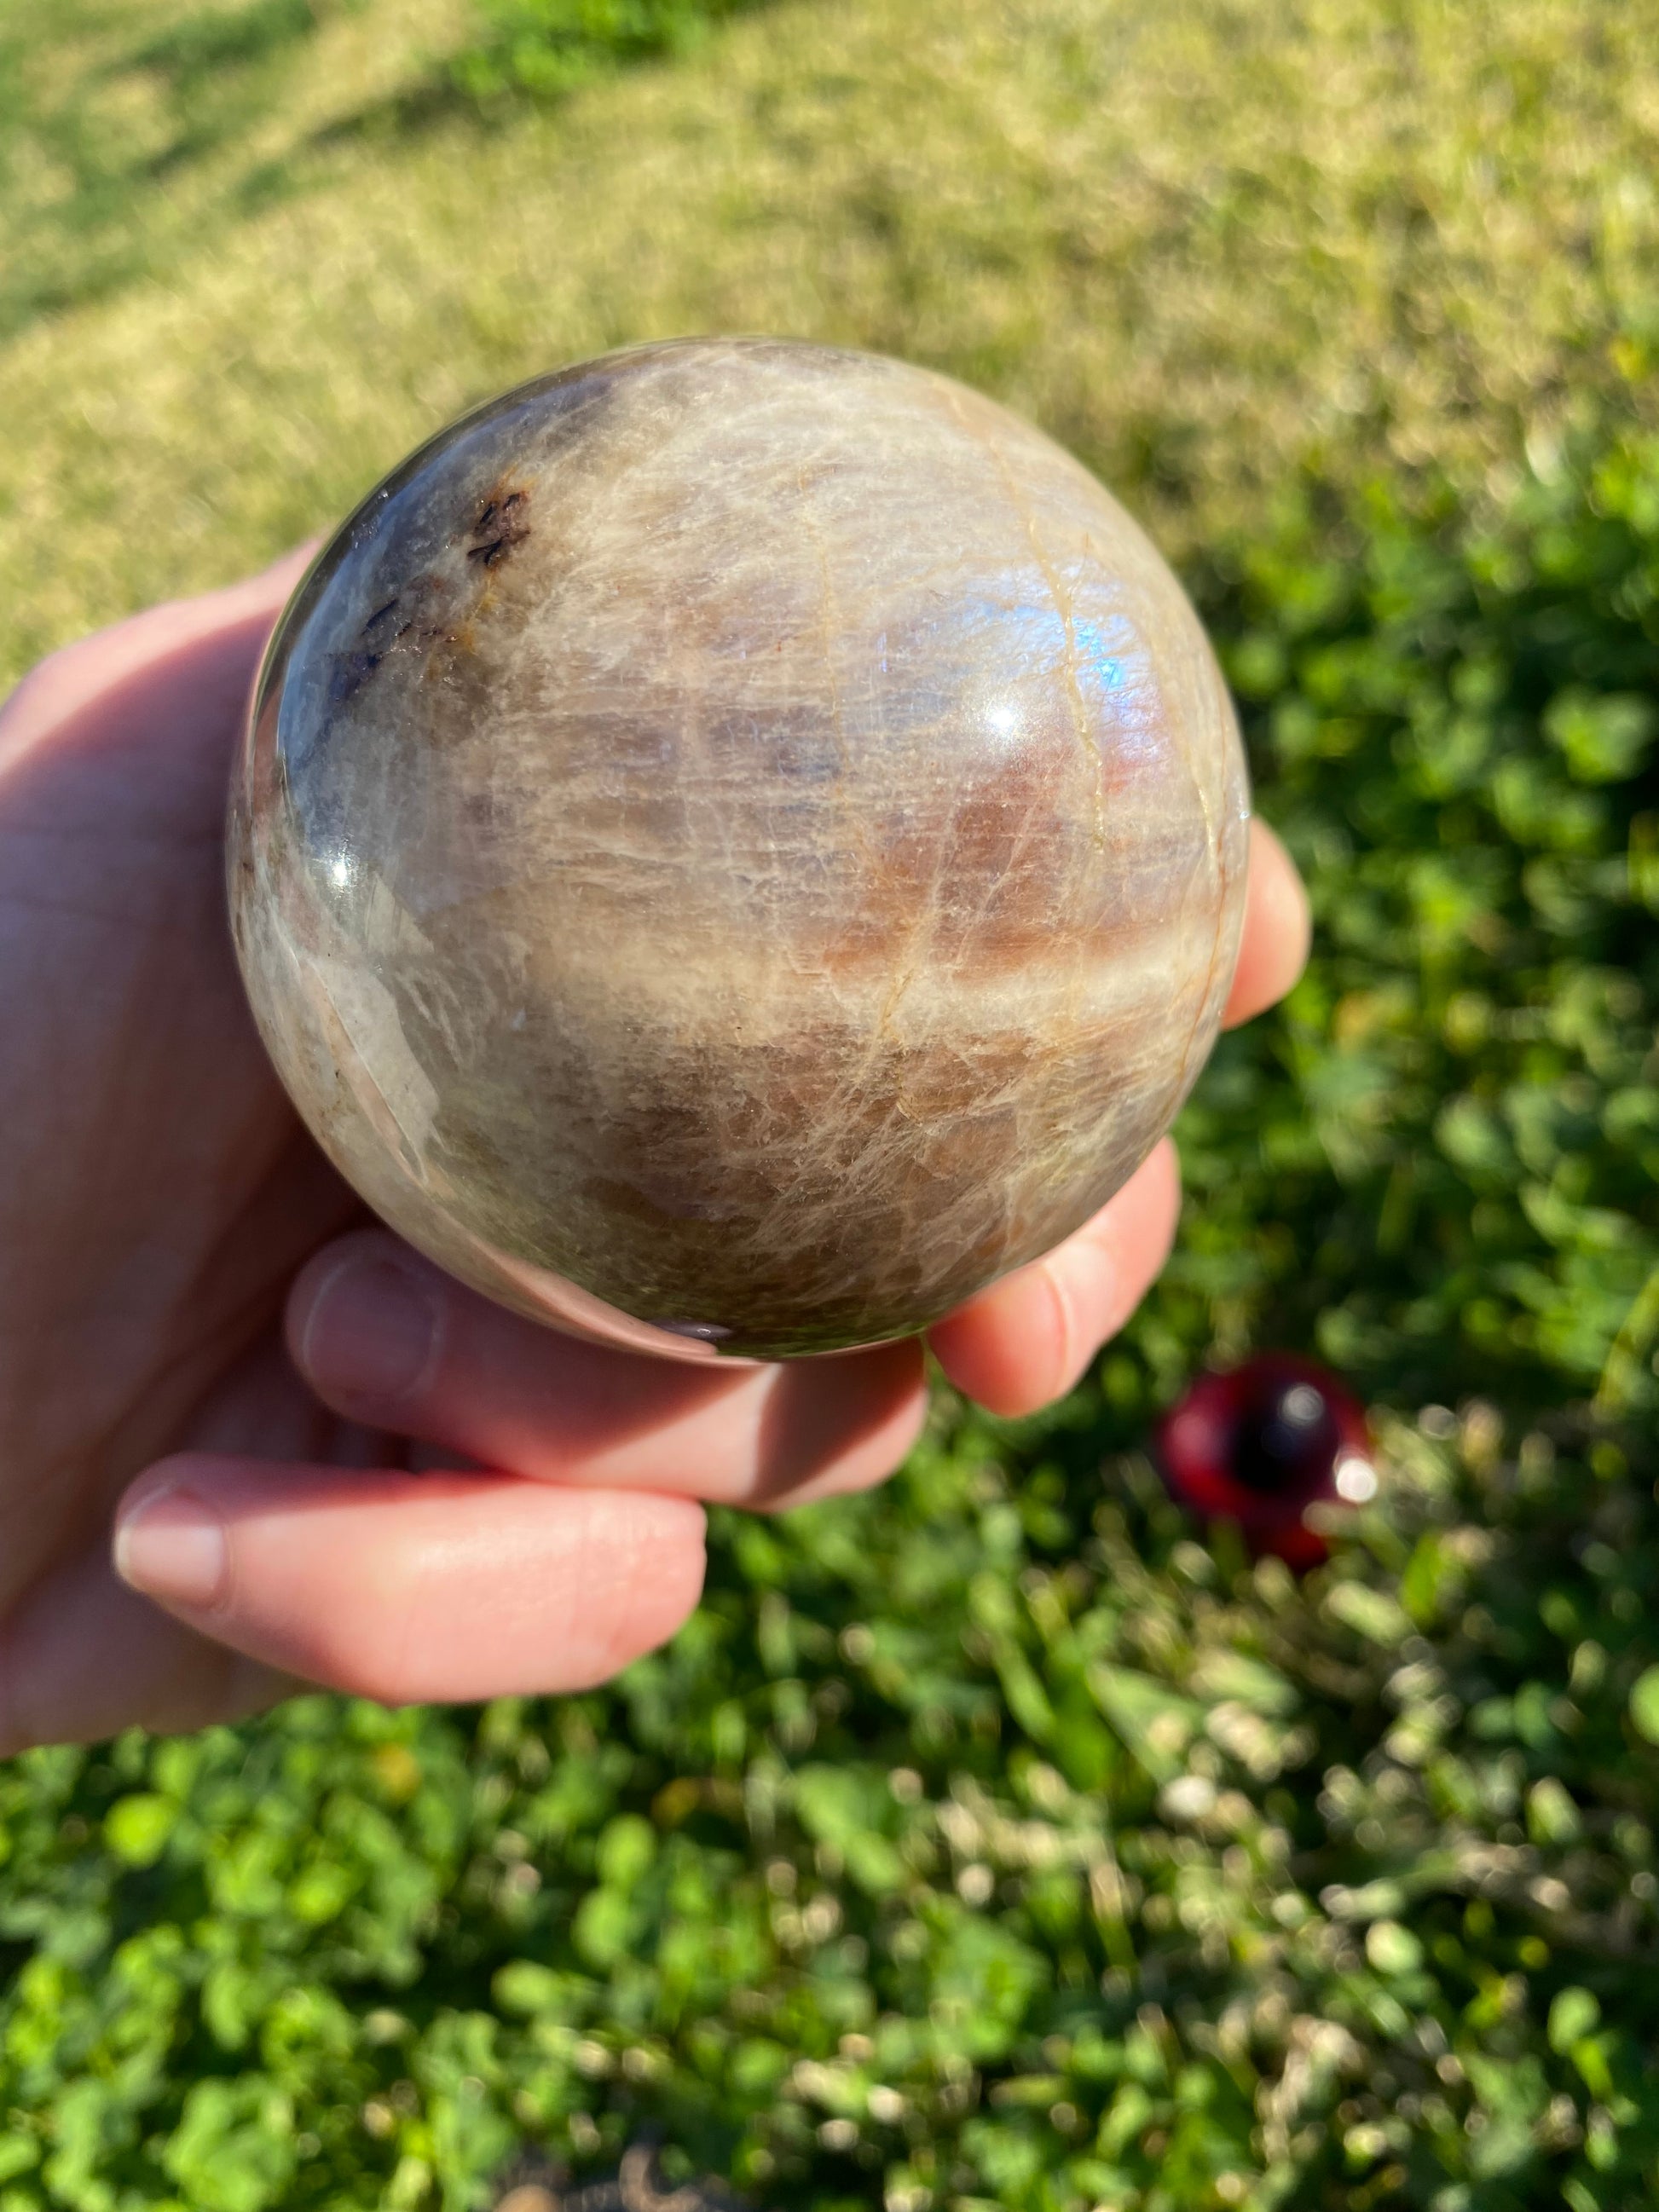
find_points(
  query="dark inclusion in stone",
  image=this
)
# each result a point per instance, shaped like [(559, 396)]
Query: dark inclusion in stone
[(739, 845)]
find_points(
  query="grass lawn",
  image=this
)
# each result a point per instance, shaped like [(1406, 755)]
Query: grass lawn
[(1202, 243), (998, 1840)]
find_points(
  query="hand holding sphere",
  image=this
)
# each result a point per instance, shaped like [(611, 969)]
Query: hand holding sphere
[(323, 1457), (738, 846)]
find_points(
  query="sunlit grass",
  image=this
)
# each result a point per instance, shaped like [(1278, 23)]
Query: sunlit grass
[(1202, 243), (1384, 1942)]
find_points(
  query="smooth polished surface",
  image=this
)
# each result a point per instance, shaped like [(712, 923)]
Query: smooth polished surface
[(738, 845)]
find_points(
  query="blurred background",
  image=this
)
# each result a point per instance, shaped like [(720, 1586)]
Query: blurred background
[(1007, 1839)]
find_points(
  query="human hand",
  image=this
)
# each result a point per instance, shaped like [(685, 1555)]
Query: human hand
[(311, 1457)]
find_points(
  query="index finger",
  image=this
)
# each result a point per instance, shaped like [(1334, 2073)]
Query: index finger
[(1277, 930)]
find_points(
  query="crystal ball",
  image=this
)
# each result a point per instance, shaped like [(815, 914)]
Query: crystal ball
[(737, 844)]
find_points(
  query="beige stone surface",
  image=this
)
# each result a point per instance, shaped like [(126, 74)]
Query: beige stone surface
[(741, 841)]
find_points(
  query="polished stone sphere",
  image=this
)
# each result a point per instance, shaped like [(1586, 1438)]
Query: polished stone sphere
[(737, 845)]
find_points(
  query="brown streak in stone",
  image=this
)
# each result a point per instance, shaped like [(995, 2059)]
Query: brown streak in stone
[(855, 1081)]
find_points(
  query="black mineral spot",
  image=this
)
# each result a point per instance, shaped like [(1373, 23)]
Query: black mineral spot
[(350, 672), (501, 523)]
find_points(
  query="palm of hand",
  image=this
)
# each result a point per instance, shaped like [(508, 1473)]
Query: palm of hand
[(159, 1192), (165, 1222)]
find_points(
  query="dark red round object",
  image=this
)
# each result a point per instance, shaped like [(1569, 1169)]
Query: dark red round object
[(1260, 1443)]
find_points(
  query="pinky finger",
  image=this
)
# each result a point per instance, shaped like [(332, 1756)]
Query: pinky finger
[(409, 1587)]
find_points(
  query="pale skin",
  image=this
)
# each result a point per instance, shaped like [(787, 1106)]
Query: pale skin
[(250, 1440)]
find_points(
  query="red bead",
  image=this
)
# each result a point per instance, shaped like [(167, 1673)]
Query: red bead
[(1260, 1443)]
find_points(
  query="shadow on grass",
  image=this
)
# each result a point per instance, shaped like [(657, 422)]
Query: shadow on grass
[(139, 198), (539, 52), (120, 136)]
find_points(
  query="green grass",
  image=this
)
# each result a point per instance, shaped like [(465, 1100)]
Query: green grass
[(550, 47), (137, 135), (1200, 243), (994, 1840)]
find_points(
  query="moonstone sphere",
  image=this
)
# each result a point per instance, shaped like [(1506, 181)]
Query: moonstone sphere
[(737, 845)]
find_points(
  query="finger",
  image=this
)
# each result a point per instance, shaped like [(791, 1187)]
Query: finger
[(228, 626), (1277, 930), (386, 1339), (1027, 1339), (409, 1587), (83, 1658)]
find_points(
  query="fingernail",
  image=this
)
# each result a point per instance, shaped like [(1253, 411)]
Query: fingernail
[(173, 1547), (372, 1334)]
